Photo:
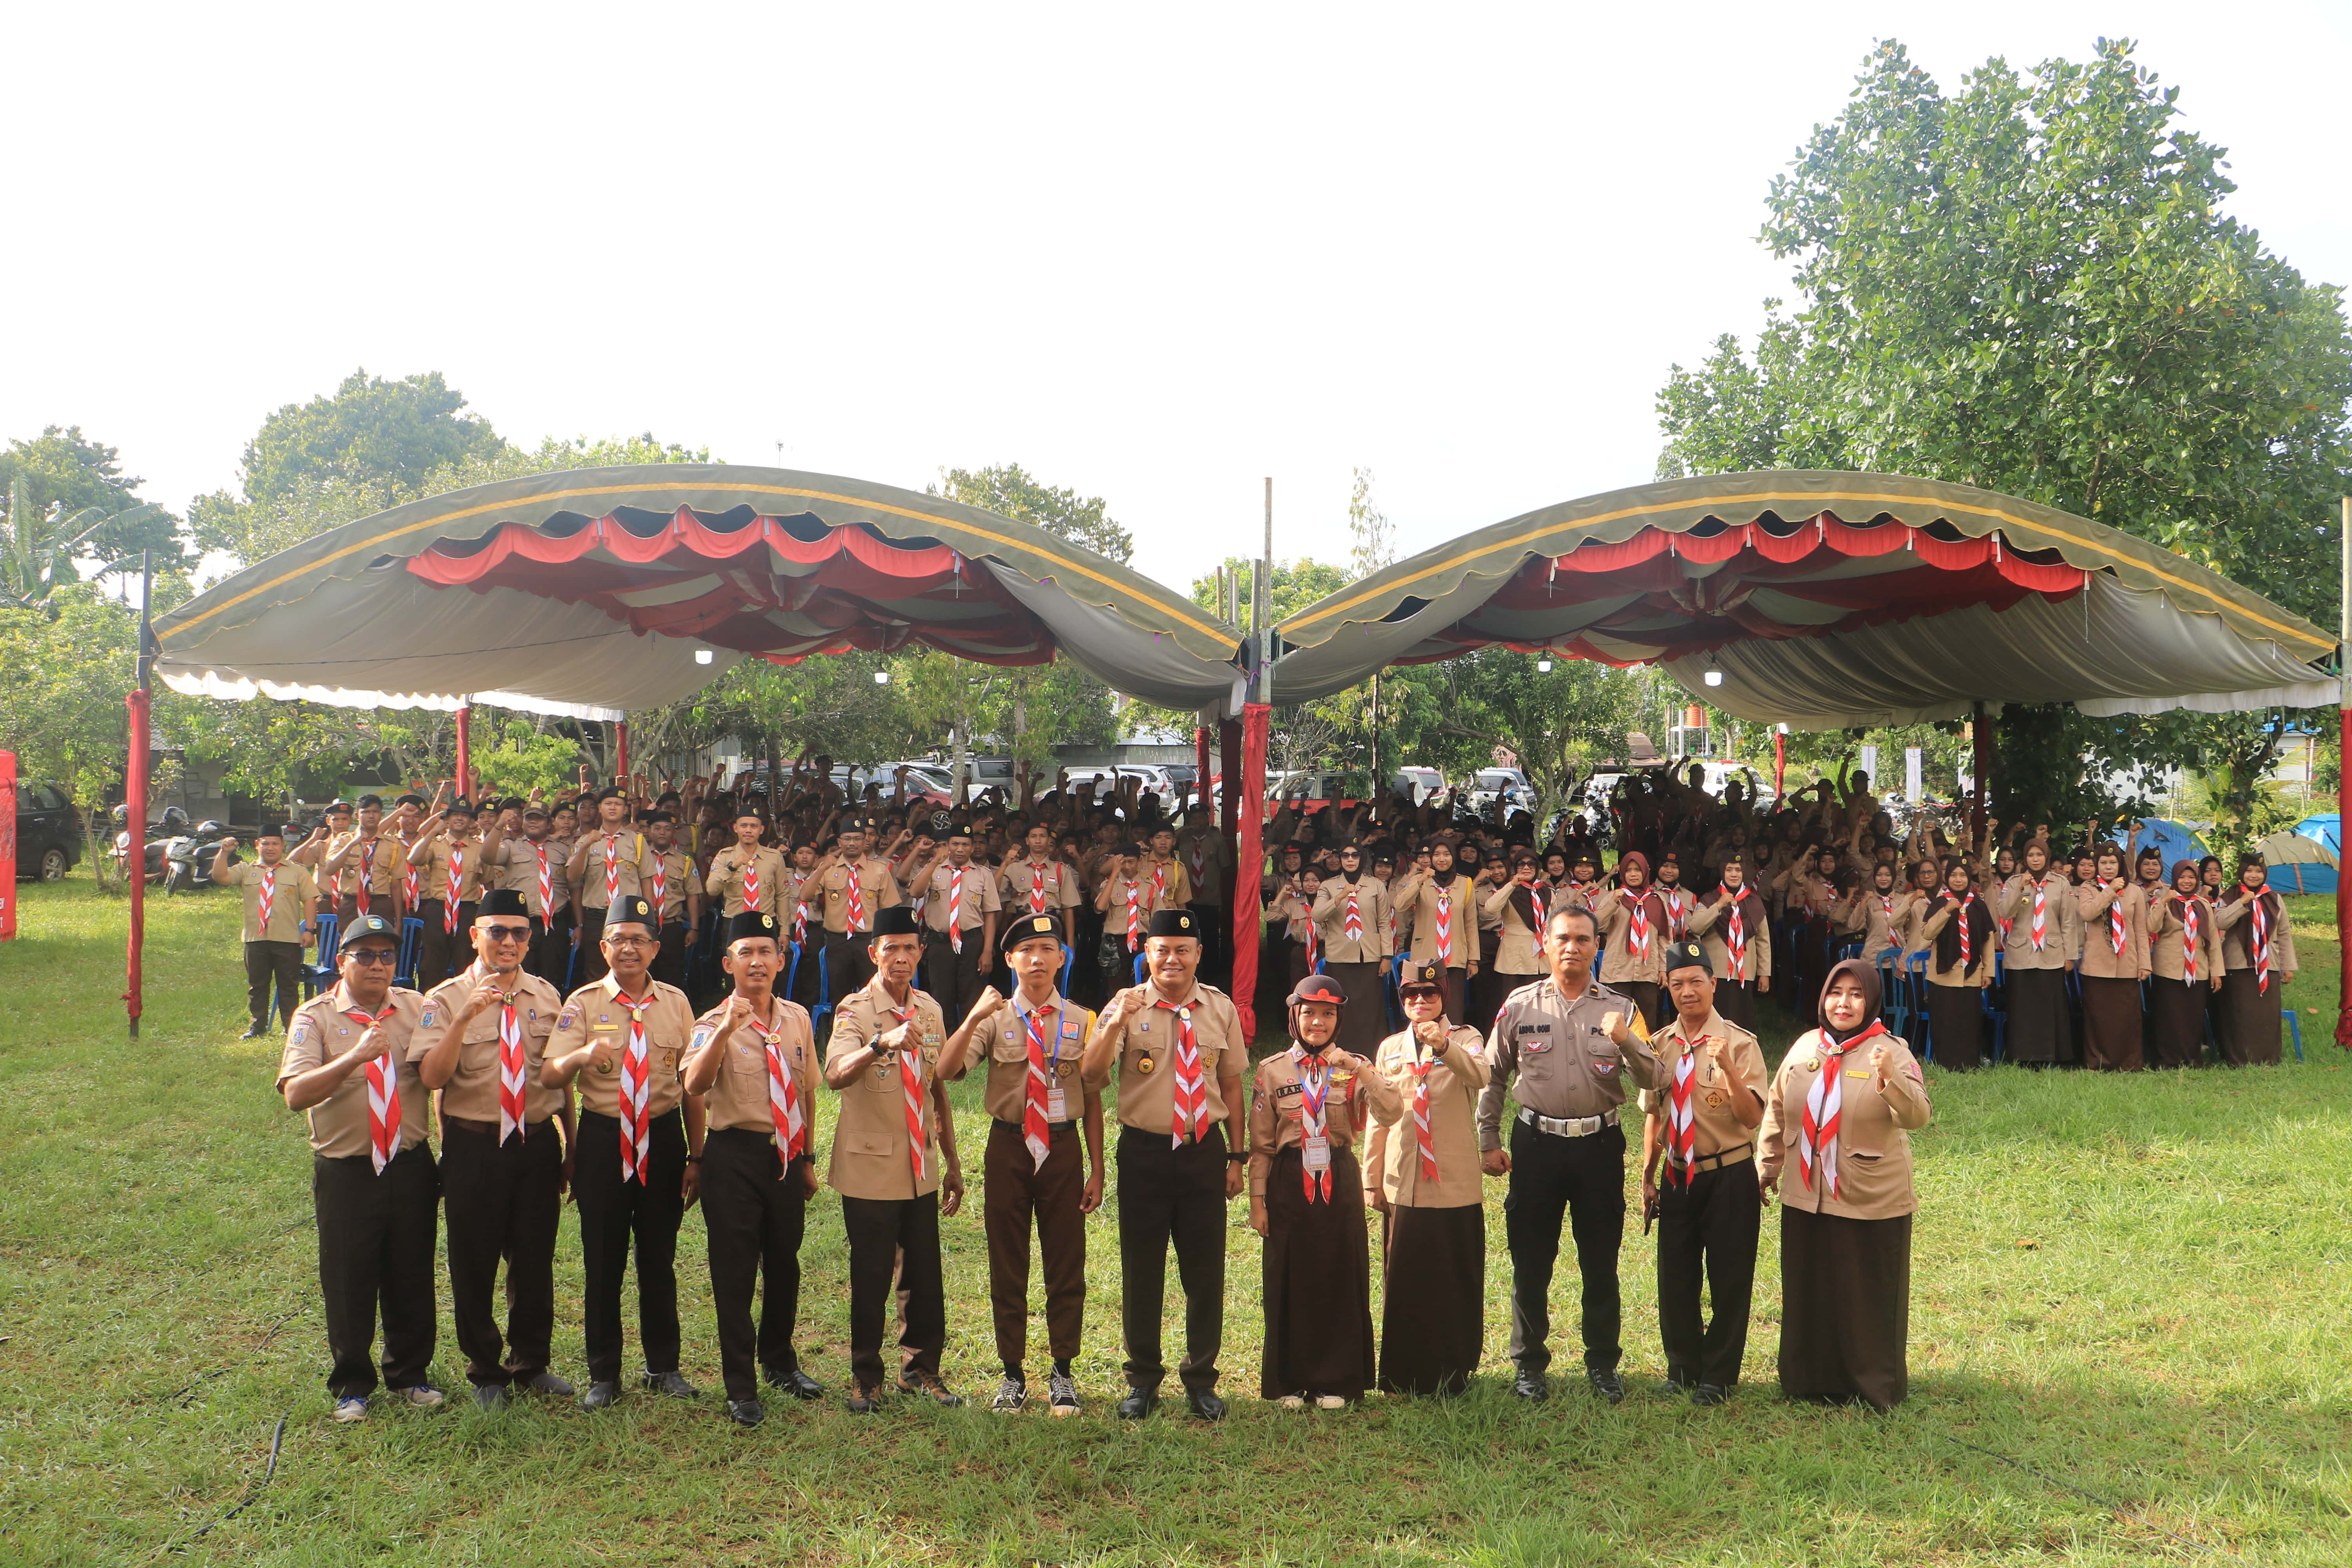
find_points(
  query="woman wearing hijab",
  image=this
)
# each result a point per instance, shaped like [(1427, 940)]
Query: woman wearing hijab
[(1734, 928), (1956, 931), (1843, 1105), (2040, 948), (1353, 913), (1884, 912), (1313, 1104), (2258, 960), (1519, 907), (1445, 920), (2185, 959), (1634, 935), (2114, 961), (1421, 1170), (1487, 875)]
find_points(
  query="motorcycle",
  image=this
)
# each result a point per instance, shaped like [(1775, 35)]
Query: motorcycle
[(171, 824), (189, 857)]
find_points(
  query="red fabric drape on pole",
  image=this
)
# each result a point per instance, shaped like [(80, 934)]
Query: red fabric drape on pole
[(1779, 767), (2342, 896), (1249, 868), (135, 868), (1200, 779), (8, 848), (465, 755)]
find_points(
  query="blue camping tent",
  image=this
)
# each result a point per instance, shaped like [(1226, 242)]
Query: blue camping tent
[(2176, 839), (2327, 829), (2304, 860)]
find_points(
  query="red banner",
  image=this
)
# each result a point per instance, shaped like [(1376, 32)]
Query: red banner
[(8, 847), (135, 868), (1249, 868)]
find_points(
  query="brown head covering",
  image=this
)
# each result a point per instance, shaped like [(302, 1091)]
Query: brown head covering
[(1862, 974)]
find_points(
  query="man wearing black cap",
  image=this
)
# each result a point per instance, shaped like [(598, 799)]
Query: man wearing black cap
[(481, 1043), (1702, 1118), (894, 1160), (850, 886), (535, 869), (754, 1064), (361, 870), (624, 1038), (1034, 1047), (670, 886), (961, 910), (453, 863), (606, 866), (1181, 1148), (1208, 861), (281, 908)]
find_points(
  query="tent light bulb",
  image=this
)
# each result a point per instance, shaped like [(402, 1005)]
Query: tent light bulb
[(1543, 666), (702, 656), (1715, 677), (881, 677)]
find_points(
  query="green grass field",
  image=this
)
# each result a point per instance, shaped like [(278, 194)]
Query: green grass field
[(2129, 1315)]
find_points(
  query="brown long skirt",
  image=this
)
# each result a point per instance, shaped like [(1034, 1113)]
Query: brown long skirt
[(1643, 995), (2246, 1020), (1434, 1301), (2038, 1028), (2177, 1021), (2111, 1024), (1845, 1307), (1364, 1022), (1736, 1002), (1956, 1027), (1317, 1284)]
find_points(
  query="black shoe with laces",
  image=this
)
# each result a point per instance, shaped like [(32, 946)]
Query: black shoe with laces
[(745, 1412), (1205, 1404), (1709, 1394), (796, 1382), (602, 1393), (1606, 1384), (671, 1384), (1139, 1404), (1531, 1387)]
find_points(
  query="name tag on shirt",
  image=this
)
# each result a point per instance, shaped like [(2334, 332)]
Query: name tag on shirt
[(1315, 1153), (1058, 1103)]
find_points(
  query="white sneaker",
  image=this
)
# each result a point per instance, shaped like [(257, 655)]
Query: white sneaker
[(351, 1409), (1011, 1394), (1329, 1401), (423, 1395), (1294, 1402)]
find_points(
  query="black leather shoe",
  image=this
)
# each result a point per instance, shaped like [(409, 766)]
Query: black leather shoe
[(1139, 1404), (1708, 1393), (1205, 1404), (671, 1384), (1606, 1384), (253, 1031), (602, 1393), (1677, 1381), (796, 1382), (547, 1383), (1531, 1387), (490, 1396), (863, 1397), (744, 1412)]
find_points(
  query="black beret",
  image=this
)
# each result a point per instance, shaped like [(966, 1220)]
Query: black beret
[(459, 805), (1686, 955), (371, 799), (1317, 988), (631, 909), (1032, 928), (1431, 976), (410, 799), (651, 817), (1130, 849), (1174, 922), (897, 920), (610, 792), (335, 805), (370, 925), (750, 922), (502, 901)]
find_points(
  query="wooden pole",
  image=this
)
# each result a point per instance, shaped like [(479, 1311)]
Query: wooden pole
[(2344, 798)]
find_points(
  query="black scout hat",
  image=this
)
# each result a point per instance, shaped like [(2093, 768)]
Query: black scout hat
[(1422, 977), (631, 909), (370, 925), (896, 920), (751, 923), (1174, 922), (502, 901), (1032, 928), (1686, 955)]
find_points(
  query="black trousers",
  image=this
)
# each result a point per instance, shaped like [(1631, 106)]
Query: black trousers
[(755, 1212), (505, 1200), (273, 961), (591, 966), (440, 953), (1712, 1227), (549, 958), (376, 1248), (1216, 949), (1171, 1194), (1581, 1180), (952, 977), (669, 964), (616, 1214), (900, 1237), (848, 966)]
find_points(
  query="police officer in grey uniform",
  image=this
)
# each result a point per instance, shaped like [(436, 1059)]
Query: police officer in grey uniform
[(1577, 1049)]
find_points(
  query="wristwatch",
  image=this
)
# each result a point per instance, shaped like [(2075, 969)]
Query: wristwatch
[(1237, 1156)]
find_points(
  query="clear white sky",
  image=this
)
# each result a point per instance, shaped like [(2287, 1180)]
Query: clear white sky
[(1151, 253)]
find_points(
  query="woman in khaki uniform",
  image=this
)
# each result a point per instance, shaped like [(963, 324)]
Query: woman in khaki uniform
[(1884, 907), (1960, 938), (2258, 956), (1307, 1199), (1352, 910), (1737, 931), (1445, 922), (1845, 1102), (1520, 906), (2114, 961), (1421, 1170), (2185, 964), (1634, 935), (2041, 946)]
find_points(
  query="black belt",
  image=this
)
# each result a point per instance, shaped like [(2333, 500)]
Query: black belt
[(1022, 1127), (1568, 1126), (489, 1129), (1736, 1155)]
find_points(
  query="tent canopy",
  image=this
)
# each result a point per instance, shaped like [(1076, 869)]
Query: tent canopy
[(587, 593), (1828, 600)]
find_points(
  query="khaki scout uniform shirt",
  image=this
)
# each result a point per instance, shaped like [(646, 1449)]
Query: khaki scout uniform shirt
[(522, 873), (678, 881), (339, 1123), (1067, 1028), (1371, 909), (1418, 896), (1719, 1130), (1203, 856), (726, 881), (1931, 925), (880, 888), (1565, 1062), (2100, 960), (1708, 924), (472, 1092), (979, 898), (1392, 1153), (1613, 910), (1173, 887), (1874, 1142), (1518, 953), (1352, 1100), (629, 853), (2237, 934), (738, 1097), (2165, 956), (592, 1014), (2061, 924), (433, 871), (290, 898), (379, 859), (1020, 879), (1145, 1044), (871, 1158), (1882, 928)]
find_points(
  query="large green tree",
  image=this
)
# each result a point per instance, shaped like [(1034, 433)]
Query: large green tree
[(63, 497), (2031, 285)]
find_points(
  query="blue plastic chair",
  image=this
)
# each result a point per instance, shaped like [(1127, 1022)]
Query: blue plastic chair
[(318, 975), (1926, 1044), (412, 937), (1069, 962), (1139, 969), (792, 967), (2295, 1028), (824, 990), (1894, 995)]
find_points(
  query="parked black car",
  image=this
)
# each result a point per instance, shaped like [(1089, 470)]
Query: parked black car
[(48, 831)]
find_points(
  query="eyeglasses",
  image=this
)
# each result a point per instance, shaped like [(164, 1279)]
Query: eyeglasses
[(611, 940), (371, 956), (506, 933)]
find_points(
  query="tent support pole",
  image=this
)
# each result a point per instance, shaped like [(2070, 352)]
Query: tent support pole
[(621, 752), (2343, 801), (1980, 734), (135, 795), (466, 751)]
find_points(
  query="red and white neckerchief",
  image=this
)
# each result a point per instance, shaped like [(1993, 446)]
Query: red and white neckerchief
[(1198, 857), (955, 909), (752, 881), (1445, 927), (783, 1094), (1189, 1114), (1967, 936), (855, 914), (1675, 903), (1159, 883), (2262, 947), (1637, 936), (1886, 906), (1037, 889), (383, 1092), (1737, 940), (409, 872), (1313, 935), (1354, 920), (1314, 1090), (511, 1064), (2117, 935), (2039, 927), (1682, 1117), (1817, 1137), (636, 1093), (367, 875), (661, 886), (1134, 914), (1035, 1133), (1427, 1139), (612, 871), (800, 912), (269, 894), (2190, 922), (449, 891), (911, 1078)]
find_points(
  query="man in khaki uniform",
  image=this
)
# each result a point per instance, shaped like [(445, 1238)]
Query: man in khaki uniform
[(1037, 883), (960, 915), (1034, 1045), (371, 1178), (1208, 862), (1701, 1122), (453, 864), (537, 868), (481, 1043), (1171, 885), (1572, 1044), (607, 865), (852, 887), (281, 904), (670, 885), (754, 1064), (747, 875), (361, 870), (1181, 1147), (894, 1162), (624, 1038)]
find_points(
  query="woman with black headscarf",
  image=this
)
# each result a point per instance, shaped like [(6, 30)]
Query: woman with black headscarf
[(2258, 960), (1737, 931), (1445, 920), (1352, 913), (1632, 921), (2042, 940), (1959, 935), (1843, 1105), (2185, 964)]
